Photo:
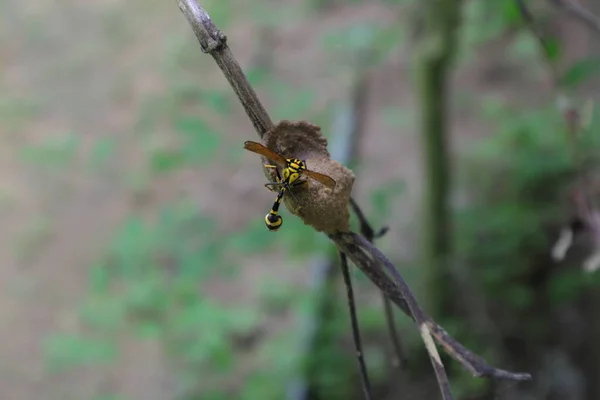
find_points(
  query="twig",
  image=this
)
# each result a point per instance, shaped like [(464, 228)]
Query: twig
[(367, 257), (372, 262), (580, 13), (214, 42), (367, 231), (364, 227), (364, 254), (366, 385), (400, 360)]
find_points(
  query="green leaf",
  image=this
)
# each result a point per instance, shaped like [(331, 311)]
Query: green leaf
[(580, 72), (511, 12), (520, 296), (201, 142), (100, 277), (109, 397), (165, 160), (102, 151), (217, 101), (68, 351), (57, 152), (103, 313), (148, 295), (150, 329), (566, 286), (190, 125), (382, 198), (553, 48), (222, 357), (257, 76), (254, 239)]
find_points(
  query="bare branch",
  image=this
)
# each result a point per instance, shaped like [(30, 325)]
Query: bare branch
[(580, 13), (368, 259), (367, 231), (372, 262), (214, 42), (364, 376)]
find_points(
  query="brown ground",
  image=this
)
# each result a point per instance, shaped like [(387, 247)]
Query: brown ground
[(83, 69)]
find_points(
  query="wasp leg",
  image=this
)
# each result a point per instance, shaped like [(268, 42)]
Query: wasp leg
[(296, 184), (272, 185), (271, 166)]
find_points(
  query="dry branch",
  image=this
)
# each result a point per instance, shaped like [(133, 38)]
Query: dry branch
[(370, 260), (364, 376), (214, 42), (364, 255)]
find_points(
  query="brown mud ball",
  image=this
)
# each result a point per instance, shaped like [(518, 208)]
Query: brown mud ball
[(323, 208)]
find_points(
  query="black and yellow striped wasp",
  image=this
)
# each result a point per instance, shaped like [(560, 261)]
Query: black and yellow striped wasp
[(293, 168)]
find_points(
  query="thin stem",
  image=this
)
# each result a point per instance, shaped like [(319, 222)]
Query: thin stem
[(367, 231), (418, 314), (372, 263), (366, 385), (400, 360)]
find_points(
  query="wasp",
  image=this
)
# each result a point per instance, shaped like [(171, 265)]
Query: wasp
[(293, 168)]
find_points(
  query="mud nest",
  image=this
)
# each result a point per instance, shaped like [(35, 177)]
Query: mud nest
[(323, 208)]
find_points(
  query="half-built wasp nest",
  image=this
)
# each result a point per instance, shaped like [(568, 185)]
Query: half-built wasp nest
[(317, 205)]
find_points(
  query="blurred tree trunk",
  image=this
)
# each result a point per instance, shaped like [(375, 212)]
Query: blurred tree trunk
[(436, 29)]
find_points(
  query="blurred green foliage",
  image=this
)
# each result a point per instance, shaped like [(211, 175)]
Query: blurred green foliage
[(57, 152), (152, 284), (518, 182)]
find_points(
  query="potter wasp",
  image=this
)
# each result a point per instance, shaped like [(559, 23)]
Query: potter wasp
[(292, 169)]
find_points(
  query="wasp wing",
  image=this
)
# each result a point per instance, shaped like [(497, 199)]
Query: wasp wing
[(265, 151), (324, 179)]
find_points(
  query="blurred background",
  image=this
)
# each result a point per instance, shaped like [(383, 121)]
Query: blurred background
[(134, 259)]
